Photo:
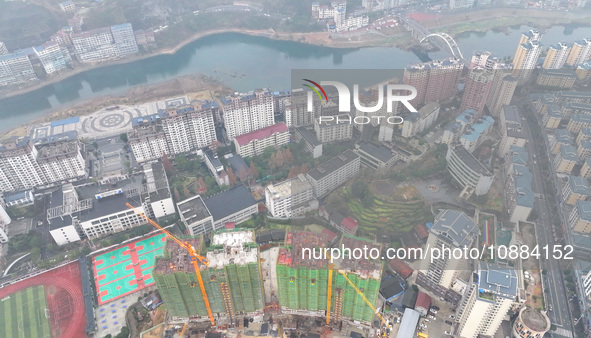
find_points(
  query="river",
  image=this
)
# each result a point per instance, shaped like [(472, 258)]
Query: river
[(244, 63)]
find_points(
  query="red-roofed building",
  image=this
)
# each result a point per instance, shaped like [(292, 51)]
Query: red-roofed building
[(230, 225), (347, 225), (331, 237), (254, 143), (422, 232), (423, 303), (401, 268)]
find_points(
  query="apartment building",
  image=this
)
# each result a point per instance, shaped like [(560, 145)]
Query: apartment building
[(124, 39), (420, 121), (255, 142), (94, 45), (247, 112), (16, 68), (580, 217), (586, 169), (561, 137), (501, 91), (20, 170), (374, 156), (584, 148), (3, 49), (68, 6), (556, 78), (200, 216), (566, 159), (511, 129), (311, 143), (575, 189), (53, 57), (345, 224), (290, 198), (553, 116), (451, 229), (329, 175), (579, 52), (477, 88), (147, 139), (531, 323), (556, 56), (493, 291), (157, 199), (570, 108), (519, 196), (4, 221), (468, 171), (339, 129), (60, 158), (435, 81), (476, 133), (577, 121), (527, 54)]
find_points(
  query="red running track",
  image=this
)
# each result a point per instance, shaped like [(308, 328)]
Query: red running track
[(63, 290)]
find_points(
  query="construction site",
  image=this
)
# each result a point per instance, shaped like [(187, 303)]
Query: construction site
[(231, 279)]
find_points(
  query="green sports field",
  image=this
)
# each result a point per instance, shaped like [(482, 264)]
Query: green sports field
[(22, 314)]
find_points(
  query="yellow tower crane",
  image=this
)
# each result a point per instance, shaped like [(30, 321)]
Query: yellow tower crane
[(195, 259)]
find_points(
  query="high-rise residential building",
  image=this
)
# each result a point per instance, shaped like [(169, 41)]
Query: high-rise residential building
[(327, 176), (566, 159), (435, 81), (157, 199), (477, 88), (296, 109), (94, 45), (147, 138), (475, 134), (452, 229), (501, 91), (511, 130), (418, 122), (20, 170), (579, 52), (556, 56), (124, 39), (527, 54), (303, 283), (556, 78), (4, 221), (468, 171), (493, 291), (53, 57), (519, 196), (255, 142), (232, 280), (531, 323), (68, 6), (246, 112), (575, 189), (234, 205), (580, 217), (485, 60), (60, 158), (290, 198), (16, 68), (3, 49)]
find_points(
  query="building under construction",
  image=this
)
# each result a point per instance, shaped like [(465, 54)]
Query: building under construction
[(303, 283), (232, 280)]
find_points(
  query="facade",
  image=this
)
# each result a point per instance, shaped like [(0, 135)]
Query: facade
[(527, 54), (586, 169), (580, 217), (501, 90), (60, 157), (290, 198), (329, 175), (247, 112), (16, 68), (232, 281), (337, 130), (494, 291), (67, 6), (451, 229), (95, 45), (557, 78), (562, 137), (477, 88), (147, 140), (3, 49), (556, 56), (157, 199), (110, 215), (124, 39), (375, 156), (435, 81), (511, 130), (255, 142), (468, 171), (578, 121), (418, 122), (531, 323), (53, 57), (4, 221), (234, 205), (566, 159), (311, 143), (20, 170), (553, 116)]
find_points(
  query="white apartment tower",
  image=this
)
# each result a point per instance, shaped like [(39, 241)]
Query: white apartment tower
[(124, 38), (291, 198), (20, 170), (246, 112), (493, 292)]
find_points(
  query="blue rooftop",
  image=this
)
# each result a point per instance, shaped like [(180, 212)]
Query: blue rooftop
[(478, 128)]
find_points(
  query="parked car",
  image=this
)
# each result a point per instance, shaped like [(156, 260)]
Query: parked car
[(436, 308), (452, 316), (448, 322)]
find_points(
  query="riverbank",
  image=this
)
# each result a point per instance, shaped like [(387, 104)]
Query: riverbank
[(456, 23)]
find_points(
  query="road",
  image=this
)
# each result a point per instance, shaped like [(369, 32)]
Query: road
[(553, 279)]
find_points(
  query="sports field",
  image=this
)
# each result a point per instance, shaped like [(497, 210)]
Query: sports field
[(25, 314), (126, 269)]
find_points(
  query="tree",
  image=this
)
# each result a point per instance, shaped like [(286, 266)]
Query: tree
[(304, 169), (186, 191), (253, 170), (177, 196), (168, 167), (287, 156), (124, 333), (232, 177), (182, 162), (293, 172), (279, 158), (123, 137)]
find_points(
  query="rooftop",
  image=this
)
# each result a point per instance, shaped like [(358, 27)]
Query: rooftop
[(324, 169), (534, 319), (380, 152), (467, 116), (308, 136), (523, 191), (232, 247), (289, 187), (512, 114), (408, 326), (298, 241), (213, 159), (518, 155), (553, 110), (471, 161), (478, 128), (390, 287), (261, 133), (564, 136), (193, 209), (179, 260), (455, 227), (584, 210), (364, 267), (229, 202), (496, 279), (569, 153)]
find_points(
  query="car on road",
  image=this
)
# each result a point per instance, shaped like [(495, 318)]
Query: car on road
[(448, 322)]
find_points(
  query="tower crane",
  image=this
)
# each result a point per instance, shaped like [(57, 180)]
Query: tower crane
[(195, 259), (183, 330)]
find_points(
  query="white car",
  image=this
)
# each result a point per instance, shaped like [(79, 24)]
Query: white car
[(447, 333), (433, 311), (432, 317), (426, 320), (452, 316), (423, 326)]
